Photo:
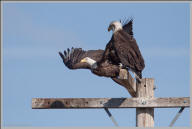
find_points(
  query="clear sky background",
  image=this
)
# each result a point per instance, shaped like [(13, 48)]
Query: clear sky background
[(34, 33)]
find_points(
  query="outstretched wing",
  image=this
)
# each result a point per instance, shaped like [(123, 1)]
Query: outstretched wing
[(128, 52), (71, 58), (128, 26)]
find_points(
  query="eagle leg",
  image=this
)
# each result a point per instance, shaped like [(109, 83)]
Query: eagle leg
[(123, 74)]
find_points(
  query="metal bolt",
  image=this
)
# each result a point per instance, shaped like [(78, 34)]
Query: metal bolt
[(143, 102)]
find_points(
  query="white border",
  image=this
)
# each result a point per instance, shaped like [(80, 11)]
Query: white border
[(96, 1), (1, 64), (88, 2)]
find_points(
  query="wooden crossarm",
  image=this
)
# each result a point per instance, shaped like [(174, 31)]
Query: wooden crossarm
[(78, 103)]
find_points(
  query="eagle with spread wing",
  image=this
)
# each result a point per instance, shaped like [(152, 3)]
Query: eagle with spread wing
[(74, 59), (121, 52), (77, 58)]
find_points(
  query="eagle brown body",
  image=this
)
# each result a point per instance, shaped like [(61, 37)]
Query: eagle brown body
[(72, 60), (123, 48)]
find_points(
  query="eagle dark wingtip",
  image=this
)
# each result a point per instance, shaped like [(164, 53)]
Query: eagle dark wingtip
[(68, 50), (61, 55), (131, 19), (65, 53), (128, 26)]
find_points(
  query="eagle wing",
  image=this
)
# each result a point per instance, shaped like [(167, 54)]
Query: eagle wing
[(128, 26), (128, 51), (72, 57)]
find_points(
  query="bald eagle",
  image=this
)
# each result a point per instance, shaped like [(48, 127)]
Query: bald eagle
[(123, 48), (91, 59), (122, 51), (77, 58)]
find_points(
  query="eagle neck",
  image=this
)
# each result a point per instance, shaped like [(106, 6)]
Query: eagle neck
[(92, 63)]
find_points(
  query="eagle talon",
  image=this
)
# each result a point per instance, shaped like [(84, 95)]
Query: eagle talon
[(123, 74)]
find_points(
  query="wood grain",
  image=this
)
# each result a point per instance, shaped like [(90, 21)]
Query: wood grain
[(79, 103), (145, 116)]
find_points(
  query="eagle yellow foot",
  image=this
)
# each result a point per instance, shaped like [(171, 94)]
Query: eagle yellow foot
[(122, 74)]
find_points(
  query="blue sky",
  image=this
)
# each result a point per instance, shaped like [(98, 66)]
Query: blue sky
[(33, 33)]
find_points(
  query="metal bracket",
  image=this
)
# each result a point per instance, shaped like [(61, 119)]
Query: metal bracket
[(176, 117), (111, 117)]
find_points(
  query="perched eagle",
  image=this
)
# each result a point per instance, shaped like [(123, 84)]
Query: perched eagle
[(123, 48)]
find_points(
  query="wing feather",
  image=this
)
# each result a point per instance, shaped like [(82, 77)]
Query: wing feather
[(128, 26), (71, 58), (128, 51)]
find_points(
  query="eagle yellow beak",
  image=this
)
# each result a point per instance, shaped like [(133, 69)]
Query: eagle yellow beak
[(83, 60), (109, 28)]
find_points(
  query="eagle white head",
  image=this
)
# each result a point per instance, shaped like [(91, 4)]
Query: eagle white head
[(115, 26), (90, 61)]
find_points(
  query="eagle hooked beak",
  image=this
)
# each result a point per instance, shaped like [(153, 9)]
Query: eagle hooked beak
[(110, 28), (83, 60)]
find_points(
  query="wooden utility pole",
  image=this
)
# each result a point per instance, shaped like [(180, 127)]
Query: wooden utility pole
[(142, 99), (144, 90)]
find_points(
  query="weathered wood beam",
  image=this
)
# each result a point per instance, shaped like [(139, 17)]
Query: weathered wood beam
[(68, 103), (128, 83), (145, 116)]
